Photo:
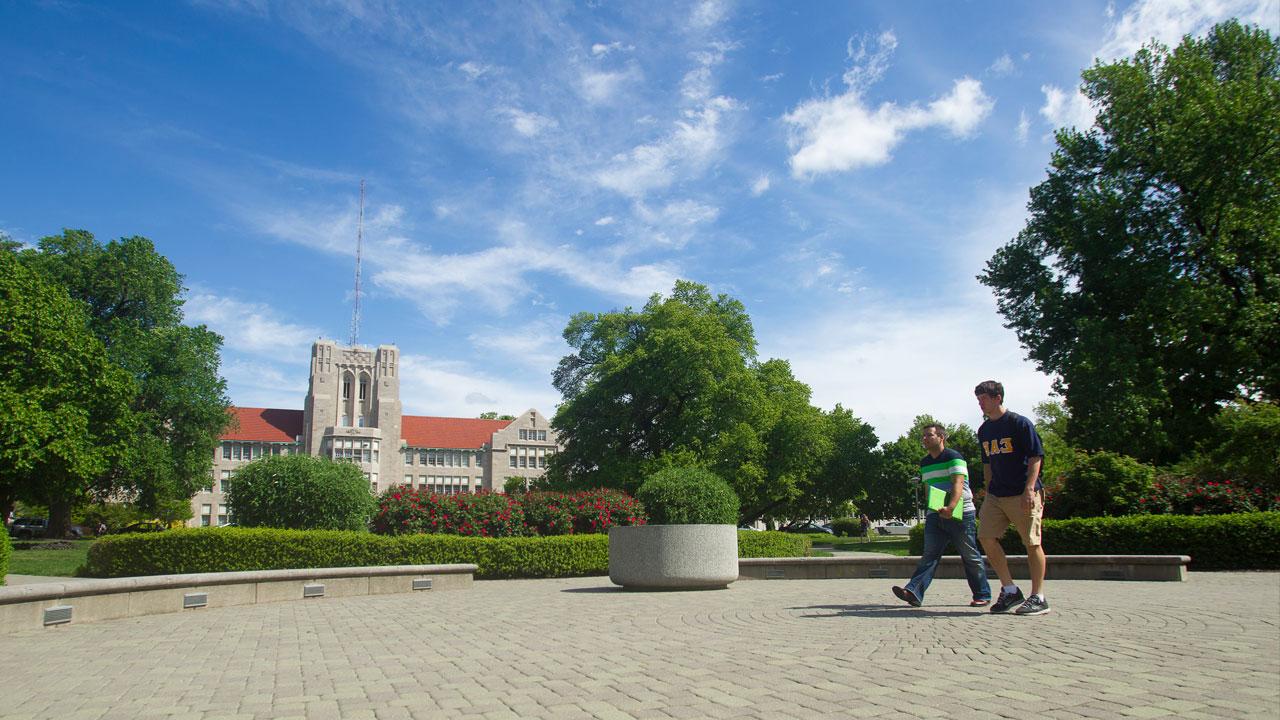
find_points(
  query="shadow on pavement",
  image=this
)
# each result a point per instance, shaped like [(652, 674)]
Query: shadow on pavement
[(887, 611)]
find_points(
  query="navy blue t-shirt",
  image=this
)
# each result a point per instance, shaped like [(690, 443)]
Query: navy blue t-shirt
[(1007, 444)]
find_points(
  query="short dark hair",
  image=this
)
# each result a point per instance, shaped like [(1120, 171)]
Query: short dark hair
[(941, 431), (989, 387)]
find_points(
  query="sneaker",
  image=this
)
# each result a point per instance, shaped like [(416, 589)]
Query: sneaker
[(1007, 601), (1033, 606), (906, 596), (979, 603)]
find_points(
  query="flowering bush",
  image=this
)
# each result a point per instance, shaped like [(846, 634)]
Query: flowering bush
[(403, 511), (595, 511), (1183, 495), (547, 513), (485, 514)]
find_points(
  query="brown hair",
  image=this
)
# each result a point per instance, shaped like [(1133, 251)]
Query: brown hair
[(989, 387), (941, 431)]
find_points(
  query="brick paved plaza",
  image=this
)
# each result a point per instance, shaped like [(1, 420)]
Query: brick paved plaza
[(578, 648)]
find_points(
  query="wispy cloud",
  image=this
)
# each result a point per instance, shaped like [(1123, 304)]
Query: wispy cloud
[(1003, 66), (440, 386), (1167, 21), (760, 186), (1063, 109), (1024, 127), (248, 327), (841, 133)]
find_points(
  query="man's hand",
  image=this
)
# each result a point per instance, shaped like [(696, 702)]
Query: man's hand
[(1028, 499), (947, 512)]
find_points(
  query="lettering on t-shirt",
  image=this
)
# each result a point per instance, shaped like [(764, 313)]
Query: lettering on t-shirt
[(1002, 446)]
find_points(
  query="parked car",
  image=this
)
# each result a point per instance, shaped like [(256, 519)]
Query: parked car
[(809, 528), (28, 527), (894, 527)]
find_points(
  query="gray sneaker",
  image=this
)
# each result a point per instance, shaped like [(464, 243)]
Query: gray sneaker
[(1007, 601), (1034, 605)]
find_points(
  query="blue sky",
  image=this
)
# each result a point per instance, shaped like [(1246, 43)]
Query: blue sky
[(844, 169)]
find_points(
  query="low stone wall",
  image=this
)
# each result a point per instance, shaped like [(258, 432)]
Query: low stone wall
[(1060, 567), (78, 601)]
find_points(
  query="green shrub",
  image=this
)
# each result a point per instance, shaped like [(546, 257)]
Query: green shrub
[(847, 527), (1243, 446), (688, 496), (5, 550), (300, 492), (486, 514), (595, 511), (1175, 495), (1245, 541), (200, 550), (1103, 484), (771, 544)]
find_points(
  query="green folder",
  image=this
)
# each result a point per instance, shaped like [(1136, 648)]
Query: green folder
[(938, 500)]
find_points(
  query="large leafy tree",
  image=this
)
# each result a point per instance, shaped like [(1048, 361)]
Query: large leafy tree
[(66, 418), (133, 298), (1147, 278), (677, 382)]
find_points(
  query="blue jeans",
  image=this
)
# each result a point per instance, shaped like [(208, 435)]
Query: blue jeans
[(963, 533)]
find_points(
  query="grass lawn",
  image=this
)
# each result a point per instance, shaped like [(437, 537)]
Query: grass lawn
[(59, 563), (887, 544)]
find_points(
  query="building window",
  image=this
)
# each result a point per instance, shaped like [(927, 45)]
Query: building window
[(408, 457), (346, 388), (346, 421), (204, 521), (222, 519), (513, 459), (226, 451), (364, 389)]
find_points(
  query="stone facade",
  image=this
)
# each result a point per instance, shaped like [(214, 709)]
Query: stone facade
[(352, 413)]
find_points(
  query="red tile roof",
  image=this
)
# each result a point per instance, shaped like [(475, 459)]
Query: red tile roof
[(265, 425), (275, 425), (442, 432)]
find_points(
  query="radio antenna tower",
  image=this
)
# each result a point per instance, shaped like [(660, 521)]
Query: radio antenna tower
[(355, 310)]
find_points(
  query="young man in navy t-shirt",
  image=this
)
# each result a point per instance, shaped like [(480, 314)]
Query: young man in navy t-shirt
[(1011, 459)]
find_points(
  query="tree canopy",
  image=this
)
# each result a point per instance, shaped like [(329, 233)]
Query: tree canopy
[(1147, 278), (66, 418), (678, 383), (131, 300)]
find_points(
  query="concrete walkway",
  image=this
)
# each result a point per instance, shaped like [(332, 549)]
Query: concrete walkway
[(579, 648)]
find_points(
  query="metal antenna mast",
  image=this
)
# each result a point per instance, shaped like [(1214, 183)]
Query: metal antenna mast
[(355, 310)]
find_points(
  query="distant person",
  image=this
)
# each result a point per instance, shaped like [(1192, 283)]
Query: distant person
[(101, 529), (1011, 459), (946, 469), (865, 524)]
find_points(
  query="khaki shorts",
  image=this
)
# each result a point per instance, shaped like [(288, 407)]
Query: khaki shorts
[(998, 513)]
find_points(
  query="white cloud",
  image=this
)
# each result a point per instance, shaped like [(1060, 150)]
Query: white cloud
[(678, 213), (529, 124), (1063, 109), (1024, 127), (606, 220), (708, 13), (866, 67), (256, 383), (760, 186), (474, 70), (1167, 21), (841, 133), (600, 49), (869, 358), (600, 87), (536, 344), (440, 387), (694, 140), (248, 327), (775, 77), (1002, 66)]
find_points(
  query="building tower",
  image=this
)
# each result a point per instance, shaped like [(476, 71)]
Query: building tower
[(352, 410)]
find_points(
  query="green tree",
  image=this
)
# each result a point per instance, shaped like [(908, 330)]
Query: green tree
[(300, 492), (1243, 447), (1105, 483), (493, 415), (133, 298), (1147, 278), (678, 384), (66, 418)]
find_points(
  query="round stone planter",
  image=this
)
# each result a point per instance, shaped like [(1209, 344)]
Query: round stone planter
[(673, 557)]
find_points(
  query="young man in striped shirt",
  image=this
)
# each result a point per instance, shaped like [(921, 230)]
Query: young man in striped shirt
[(946, 470)]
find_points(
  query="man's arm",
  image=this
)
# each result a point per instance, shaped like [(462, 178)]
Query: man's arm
[(1033, 472), (957, 497)]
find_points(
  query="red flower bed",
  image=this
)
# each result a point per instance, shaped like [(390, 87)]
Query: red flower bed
[(487, 514)]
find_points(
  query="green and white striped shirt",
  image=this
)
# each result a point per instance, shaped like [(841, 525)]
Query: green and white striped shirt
[(937, 471)]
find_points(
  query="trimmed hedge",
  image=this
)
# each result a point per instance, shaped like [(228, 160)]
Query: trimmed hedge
[(688, 496), (198, 550), (771, 544), (1244, 541), (5, 549), (847, 527)]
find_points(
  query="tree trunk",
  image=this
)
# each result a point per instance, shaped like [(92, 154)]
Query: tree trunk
[(59, 519)]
